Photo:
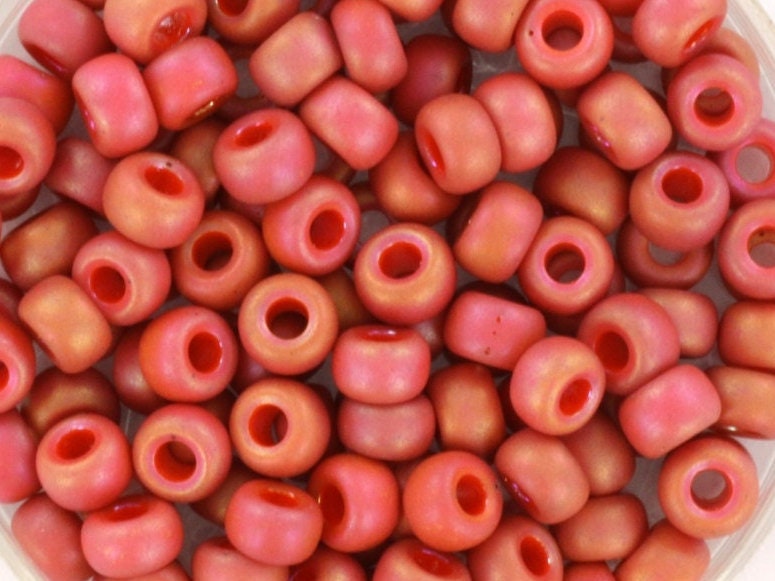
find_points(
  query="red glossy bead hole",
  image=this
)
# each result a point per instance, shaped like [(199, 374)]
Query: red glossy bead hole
[(287, 318), (700, 34), (564, 263), (682, 185), (127, 510), (107, 284), (714, 106), (253, 134), (212, 251), (471, 495), (534, 556), (754, 163), (433, 562), (711, 490), (431, 151), (171, 29), (575, 397), (400, 260), (562, 30), (268, 425), (5, 375), (11, 163), (174, 461), (282, 498), (205, 352), (327, 230), (331, 503), (231, 7), (75, 444), (761, 247), (164, 180), (613, 351)]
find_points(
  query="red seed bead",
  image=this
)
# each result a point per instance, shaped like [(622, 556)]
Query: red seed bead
[(190, 81), (413, 10), (594, 571), (621, 7), (491, 330), (56, 310), (360, 500), (305, 44), (584, 183), (458, 142), (213, 506), (744, 338), (280, 427), (17, 364), (181, 452), (452, 501), (552, 397), (501, 211), (564, 43), (16, 205), (288, 323), (56, 395), (468, 409), (51, 537), (714, 102), (709, 487), (51, 94), (326, 564), (568, 266), (172, 572), (188, 354), (117, 127), (409, 559), (665, 552), (695, 317), (746, 401), (18, 478), (264, 156), (249, 22), (194, 146), (604, 454), (380, 364), (145, 29), (633, 336), (615, 107), (541, 475), (27, 146), (10, 295), (487, 26), (129, 381), (84, 462), (670, 35), (341, 288), (405, 274), (216, 557), (62, 35), (403, 189), (135, 535), (520, 547), (437, 65)]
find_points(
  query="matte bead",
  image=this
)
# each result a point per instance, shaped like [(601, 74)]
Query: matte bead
[(19, 478), (328, 562), (216, 556), (746, 401), (129, 381), (18, 362), (744, 337), (409, 559), (486, 25), (250, 22)]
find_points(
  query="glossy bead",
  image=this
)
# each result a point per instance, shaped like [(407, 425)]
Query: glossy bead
[(188, 354), (250, 22), (451, 500), (744, 339), (17, 363), (634, 338), (409, 558), (116, 127), (153, 199), (568, 266), (288, 323), (487, 26), (520, 547), (133, 536), (129, 381), (709, 487), (616, 106), (264, 156), (328, 563), (194, 146), (746, 401), (19, 478), (55, 311), (501, 211), (360, 500), (216, 556), (491, 330), (541, 475), (714, 102), (280, 427), (84, 462), (405, 274)]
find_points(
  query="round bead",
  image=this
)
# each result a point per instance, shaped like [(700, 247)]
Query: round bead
[(215, 557), (413, 10), (194, 147), (744, 338), (18, 479), (17, 364), (486, 25), (409, 559), (328, 562), (129, 381), (746, 401)]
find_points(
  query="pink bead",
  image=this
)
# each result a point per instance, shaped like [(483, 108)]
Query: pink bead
[(116, 125), (405, 274), (215, 557), (280, 427), (17, 364), (410, 560), (327, 563), (679, 201), (181, 452), (288, 323), (84, 462), (213, 506), (18, 478), (188, 354), (709, 487), (568, 266), (264, 156), (746, 401), (324, 239), (190, 81), (194, 147), (133, 536), (621, 7), (249, 22), (172, 572), (594, 571), (714, 102), (487, 25), (360, 500), (144, 29), (491, 330), (744, 337), (126, 280), (520, 547), (552, 397), (413, 10), (380, 364), (564, 43), (129, 381), (349, 308)]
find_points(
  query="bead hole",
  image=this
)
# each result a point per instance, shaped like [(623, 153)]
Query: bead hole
[(268, 425), (107, 284), (754, 164), (46, 59), (231, 7), (535, 556), (711, 490), (431, 152), (682, 185), (714, 106), (284, 498), (11, 163), (75, 444), (613, 351), (575, 396), (174, 461), (171, 29), (564, 264), (5, 375), (400, 260), (164, 180), (433, 562), (761, 247), (205, 352), (699, 35), (562, 30), (332, 505), (212, 251), (327, 230), (125, 510), (287, 318), (253, 134), (471, 496)]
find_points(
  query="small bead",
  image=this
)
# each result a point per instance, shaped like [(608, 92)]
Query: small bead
[(17, 363), (129, 381), (249, 22), (746, 401), (194, 146), (328, 562), (18, 479), (744, 337), (413, 10), (410, 560), (216, 557), (486, 25)]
